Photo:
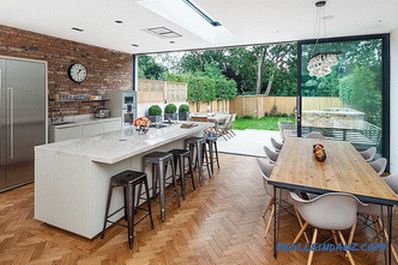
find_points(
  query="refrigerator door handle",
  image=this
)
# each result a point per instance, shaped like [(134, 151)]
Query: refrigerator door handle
[(11, 119)]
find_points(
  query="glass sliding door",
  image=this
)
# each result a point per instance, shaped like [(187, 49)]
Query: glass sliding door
[(348, 103)]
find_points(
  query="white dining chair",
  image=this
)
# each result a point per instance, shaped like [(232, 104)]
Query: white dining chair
[(266, 170), (316, 135), (392, 181), (332, 211), (271, 155), (369, 154), (373, 211), (379, 165), (277, 145), (286, 129)]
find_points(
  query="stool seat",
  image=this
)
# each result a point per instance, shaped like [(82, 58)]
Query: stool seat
[(128, 177), (156, 157), (211, 138), (179, 152), (194, 140)]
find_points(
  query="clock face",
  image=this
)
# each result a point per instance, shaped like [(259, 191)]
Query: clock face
[(77, 72)]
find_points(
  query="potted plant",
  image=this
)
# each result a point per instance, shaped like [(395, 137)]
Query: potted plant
[(183, 112), (170, 112), (155, 113)]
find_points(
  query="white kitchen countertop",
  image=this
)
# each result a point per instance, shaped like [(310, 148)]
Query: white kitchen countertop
[(110, 148)]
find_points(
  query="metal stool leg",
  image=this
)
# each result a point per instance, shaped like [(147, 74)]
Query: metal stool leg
[(154, 181), (148, 201), (108, 204), (130, 194), (173, 172), (206, 158), (211, 157), (215, 148), (181, 164), (162, 184), (191, 171), (139, 196), (200, 162)]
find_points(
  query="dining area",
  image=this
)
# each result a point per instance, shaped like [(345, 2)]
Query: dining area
[(336, 194)]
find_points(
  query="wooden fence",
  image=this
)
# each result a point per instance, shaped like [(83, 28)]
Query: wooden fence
[(258, 105), (157, 92), (161, 92), (213, 106)]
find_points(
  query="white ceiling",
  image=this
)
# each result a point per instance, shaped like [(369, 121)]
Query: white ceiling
[(250, 21)]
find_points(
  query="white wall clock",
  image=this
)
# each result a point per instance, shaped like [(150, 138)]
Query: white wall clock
[(77, 73)]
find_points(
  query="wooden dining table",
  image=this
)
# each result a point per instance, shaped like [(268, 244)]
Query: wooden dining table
[(344, 170)]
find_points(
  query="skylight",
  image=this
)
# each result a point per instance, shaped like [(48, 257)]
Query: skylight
[(190, 16)]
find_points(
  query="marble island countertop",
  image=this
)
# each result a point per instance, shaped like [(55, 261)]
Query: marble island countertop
[(110, 148)]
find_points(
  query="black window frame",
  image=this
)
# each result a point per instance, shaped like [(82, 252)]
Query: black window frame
[(385, 145)]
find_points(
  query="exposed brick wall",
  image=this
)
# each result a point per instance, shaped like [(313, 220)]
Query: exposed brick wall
[(106, 69)]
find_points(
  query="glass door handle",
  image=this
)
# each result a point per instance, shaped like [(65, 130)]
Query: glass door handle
[(10, 117)]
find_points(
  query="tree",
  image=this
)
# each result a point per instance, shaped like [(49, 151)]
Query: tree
[(148, 68), (361, 90), (201, 89)]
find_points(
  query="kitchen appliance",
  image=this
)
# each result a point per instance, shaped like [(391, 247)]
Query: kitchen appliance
[(22, 119), (102, 113), (123, 103)]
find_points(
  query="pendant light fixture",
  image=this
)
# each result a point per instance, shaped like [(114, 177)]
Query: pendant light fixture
[(320, 64)]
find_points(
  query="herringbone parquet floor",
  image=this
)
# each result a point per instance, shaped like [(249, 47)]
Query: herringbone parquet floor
[(220, 223)]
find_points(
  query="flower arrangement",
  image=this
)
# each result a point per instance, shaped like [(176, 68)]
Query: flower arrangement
[(142, 125)]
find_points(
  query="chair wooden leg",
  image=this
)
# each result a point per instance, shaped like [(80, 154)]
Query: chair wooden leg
[(347, 252), (269, 221), (300, 232), (377, 225), (270, 204), (311, 255), (300, 221), (393, 251), (352, 233), (335, 239)]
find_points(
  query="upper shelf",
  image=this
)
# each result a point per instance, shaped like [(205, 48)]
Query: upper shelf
[(80, 100)]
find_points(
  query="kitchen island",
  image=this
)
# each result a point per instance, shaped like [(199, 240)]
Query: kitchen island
[(72, 177)]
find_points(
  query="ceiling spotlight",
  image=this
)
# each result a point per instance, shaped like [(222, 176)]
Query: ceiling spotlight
[(172, 42), (134, 45), (78, 29), (119, 21)]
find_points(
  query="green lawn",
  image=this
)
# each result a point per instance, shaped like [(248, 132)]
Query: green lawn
[(264, 123)]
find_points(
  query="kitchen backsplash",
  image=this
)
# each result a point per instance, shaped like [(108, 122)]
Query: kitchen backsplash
[(106, 69)]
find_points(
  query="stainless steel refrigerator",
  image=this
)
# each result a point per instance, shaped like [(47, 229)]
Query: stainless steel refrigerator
[(22, 119)]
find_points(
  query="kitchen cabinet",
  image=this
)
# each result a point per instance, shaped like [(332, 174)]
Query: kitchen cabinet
[(114, 125), (68, 133), (84, 129), (92, 129)]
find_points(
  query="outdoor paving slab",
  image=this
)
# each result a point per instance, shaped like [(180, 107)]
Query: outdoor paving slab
[(248, 142)]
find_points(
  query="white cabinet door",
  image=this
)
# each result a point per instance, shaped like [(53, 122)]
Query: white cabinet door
[(63, 134), (110, 126), (92, 129)]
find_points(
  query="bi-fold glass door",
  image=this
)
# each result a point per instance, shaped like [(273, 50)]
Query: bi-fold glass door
[(349, 103)]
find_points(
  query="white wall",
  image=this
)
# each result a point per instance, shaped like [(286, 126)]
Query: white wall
[(394, 102)]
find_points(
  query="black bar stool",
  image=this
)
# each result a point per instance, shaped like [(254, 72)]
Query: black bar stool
[(211, 141), (160, 161), (180, 157), (128, 180), (197, 145)]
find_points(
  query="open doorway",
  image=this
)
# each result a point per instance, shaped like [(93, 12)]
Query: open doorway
[(256, 85)]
